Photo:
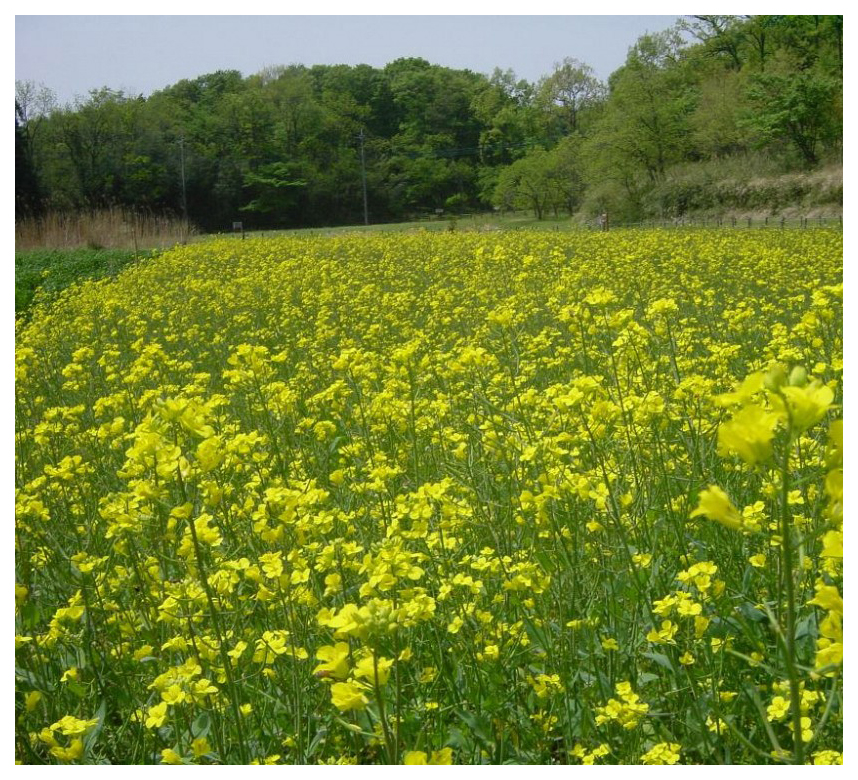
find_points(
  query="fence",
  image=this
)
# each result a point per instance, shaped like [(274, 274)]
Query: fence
[(507, 221), (781, 223)]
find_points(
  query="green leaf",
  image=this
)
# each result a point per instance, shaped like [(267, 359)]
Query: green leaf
[(661, 659), (355, 729), (202, 725), (806, 627), (478, 724), (457, 739), (90, 739), (752, 613), (26, 676), (318, 739)]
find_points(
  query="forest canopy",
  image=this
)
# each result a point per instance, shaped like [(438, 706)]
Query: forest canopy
[(284, 147)]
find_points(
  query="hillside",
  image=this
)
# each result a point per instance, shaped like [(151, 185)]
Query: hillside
[(713, 190)]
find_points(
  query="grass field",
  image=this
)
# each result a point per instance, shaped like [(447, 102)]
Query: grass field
[(518, 497)]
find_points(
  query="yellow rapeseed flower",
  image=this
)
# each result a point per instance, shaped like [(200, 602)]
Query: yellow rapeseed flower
[(662, 753), (748, 434), (715, 504), (346, 696)]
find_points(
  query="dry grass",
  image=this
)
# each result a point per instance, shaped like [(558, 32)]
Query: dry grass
[(110, 228)]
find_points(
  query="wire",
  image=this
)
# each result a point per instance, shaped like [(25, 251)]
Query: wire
[(465, 151)]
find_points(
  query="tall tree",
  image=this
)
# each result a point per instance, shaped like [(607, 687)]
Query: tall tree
[(33, 105), (570, 90), (528, 183), (801, 109), (646, 117)]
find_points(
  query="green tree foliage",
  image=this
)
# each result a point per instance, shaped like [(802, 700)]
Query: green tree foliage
[(567, 95), (504, 108), (567, 174), (716, 123), (543, 180), (727, 86), (527, 183), (33, 103), (798, 108), (28, 196), (651, 99), (275, 187), (282, 147)]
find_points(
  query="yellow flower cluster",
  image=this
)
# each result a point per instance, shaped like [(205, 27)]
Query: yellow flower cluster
[(325, 500), (627, 711), (662, 753)]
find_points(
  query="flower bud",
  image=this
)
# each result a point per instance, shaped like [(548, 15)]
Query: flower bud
[(775, 378), (798, 377)]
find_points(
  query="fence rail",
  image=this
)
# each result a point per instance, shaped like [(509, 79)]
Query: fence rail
[(676, 222), (781, 223)]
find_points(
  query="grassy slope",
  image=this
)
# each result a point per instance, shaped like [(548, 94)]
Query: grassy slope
[(726, 188)]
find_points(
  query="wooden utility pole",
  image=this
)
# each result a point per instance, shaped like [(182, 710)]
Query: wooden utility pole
[(184, 192), (363, 180)]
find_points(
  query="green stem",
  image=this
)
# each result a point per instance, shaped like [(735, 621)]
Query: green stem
[(789, 583), (225, 659), (391, 758)]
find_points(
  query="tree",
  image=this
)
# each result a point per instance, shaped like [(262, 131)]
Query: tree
[(275, 188), (503, 106), (799, 108), (33, 104), (97, 133), (566, 175), (570, 90), (527, 183), (717, 129), (645, 122), (283, 144), (721, 36), (28, 196)]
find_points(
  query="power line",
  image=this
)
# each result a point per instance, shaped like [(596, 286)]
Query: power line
[(464, 151)]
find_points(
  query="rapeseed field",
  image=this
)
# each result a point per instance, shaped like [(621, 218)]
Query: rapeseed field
[(463, 498)]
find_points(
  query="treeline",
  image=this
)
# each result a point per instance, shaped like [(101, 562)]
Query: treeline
[(284, 147)]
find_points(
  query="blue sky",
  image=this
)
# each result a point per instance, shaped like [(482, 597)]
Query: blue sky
[(139, 54)]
